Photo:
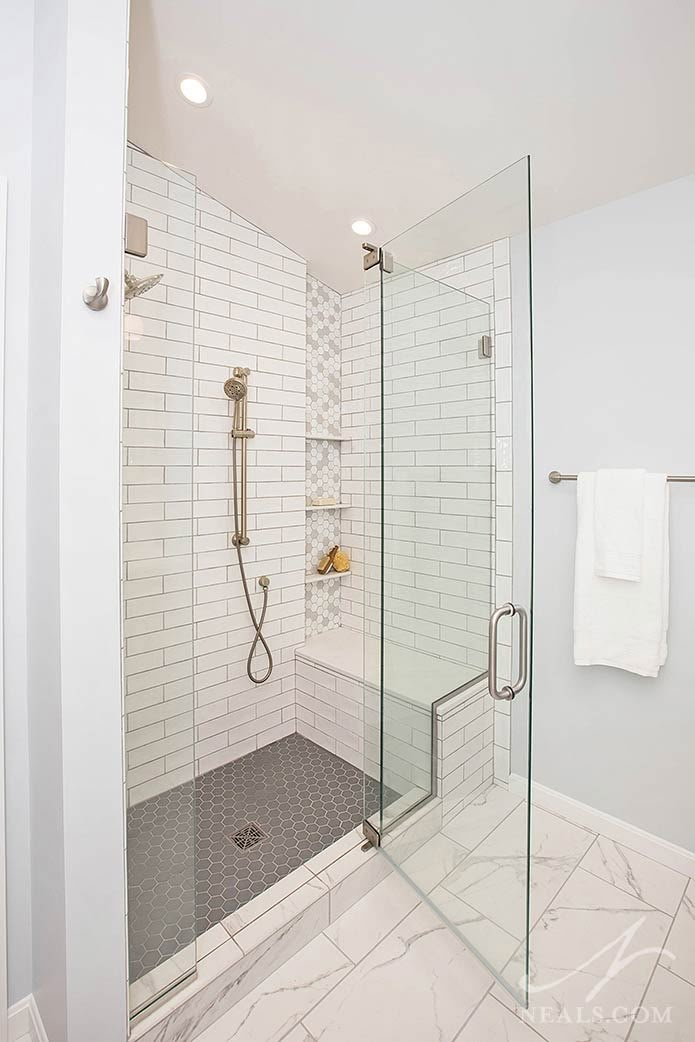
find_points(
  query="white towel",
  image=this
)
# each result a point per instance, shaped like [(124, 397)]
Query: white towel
[(619, 622), (619, 524)]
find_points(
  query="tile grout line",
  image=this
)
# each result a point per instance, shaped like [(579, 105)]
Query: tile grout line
[(639, 853), (473, 1011), (549, 904), (654, 968), (353, 965), (672, 973), (630, 893)]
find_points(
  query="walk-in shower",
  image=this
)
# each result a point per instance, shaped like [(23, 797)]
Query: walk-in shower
[(236, 389), (226, 796), (268, 418)]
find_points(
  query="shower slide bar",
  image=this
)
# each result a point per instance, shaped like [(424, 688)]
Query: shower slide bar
[(555, 477)]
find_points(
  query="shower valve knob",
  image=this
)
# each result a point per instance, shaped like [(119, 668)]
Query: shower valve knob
[(96, 297)]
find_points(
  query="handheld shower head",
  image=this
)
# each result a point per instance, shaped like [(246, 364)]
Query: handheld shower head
[(235, 388)]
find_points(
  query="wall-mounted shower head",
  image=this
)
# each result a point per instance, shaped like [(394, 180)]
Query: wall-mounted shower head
[(235, 388), (136, 287)]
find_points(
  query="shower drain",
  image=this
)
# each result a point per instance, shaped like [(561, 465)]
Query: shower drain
[(248, 837)]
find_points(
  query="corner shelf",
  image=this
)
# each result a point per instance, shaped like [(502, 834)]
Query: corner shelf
[(329, 506), (326, 437), (314, 577)]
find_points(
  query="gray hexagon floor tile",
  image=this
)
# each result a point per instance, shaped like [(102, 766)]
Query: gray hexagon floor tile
[(186, 873)]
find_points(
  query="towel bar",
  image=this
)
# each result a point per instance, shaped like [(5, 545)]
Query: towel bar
[(555, 477)]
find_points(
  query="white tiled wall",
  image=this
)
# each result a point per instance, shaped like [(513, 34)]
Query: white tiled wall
[(249, 310), (438, 398), (450, 541), (232, 295), (157, 485)]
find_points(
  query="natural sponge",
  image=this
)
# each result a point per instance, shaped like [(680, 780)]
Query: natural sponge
[(341, 561)]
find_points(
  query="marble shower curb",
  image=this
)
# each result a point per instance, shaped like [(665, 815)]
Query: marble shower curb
[(268, 932)]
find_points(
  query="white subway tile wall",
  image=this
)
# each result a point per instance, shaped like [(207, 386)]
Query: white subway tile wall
[(157, 477), (439, 437), (233, 296), (249, 309), (445, 564)]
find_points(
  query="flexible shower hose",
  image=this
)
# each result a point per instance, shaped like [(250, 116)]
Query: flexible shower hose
[(257, 623)]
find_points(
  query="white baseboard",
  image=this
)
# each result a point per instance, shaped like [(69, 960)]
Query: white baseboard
[(669, 854), (23, 1018)]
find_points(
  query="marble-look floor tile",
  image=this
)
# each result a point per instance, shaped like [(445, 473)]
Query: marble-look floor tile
[(636, 874), (680, 954), (408, 836), (259, 905), (225, 978), (418, 985), (353, 876), (210, 940), (592, 954), (298, 1034), (493, 878), (477, 932), (279, 915), (667, 1013), (277, 1005), (493, 1022), (327, 857), (435, 859), (479, 818), (359, 929), (143, 990)]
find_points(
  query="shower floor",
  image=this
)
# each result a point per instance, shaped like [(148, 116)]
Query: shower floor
[(299, 796)]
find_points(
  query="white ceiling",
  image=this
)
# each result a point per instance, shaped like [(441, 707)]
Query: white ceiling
[(325, 111)]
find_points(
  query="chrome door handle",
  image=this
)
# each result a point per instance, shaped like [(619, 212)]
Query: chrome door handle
[(520, 682), (507, 693)]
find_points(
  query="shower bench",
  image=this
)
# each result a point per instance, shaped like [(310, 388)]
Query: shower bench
[(437, 716)]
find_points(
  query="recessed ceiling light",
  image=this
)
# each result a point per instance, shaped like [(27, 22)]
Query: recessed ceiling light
[(195, 91), (361, 226)]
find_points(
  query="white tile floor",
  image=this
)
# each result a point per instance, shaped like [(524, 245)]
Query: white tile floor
[(613, 950)]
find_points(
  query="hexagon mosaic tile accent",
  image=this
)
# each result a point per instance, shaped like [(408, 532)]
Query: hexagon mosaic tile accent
[(322, 469), (322, 607), (323, 358), (323, 330), (301, 797)]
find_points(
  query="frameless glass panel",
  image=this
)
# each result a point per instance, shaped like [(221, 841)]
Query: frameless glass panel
[(436, 492), (157, 588), (455, 540)]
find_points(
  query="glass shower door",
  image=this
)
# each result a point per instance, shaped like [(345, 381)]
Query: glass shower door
[(455, 565), (157, 526)]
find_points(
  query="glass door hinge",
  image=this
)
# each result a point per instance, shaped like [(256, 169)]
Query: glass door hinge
[(372, 835), (375, 255)]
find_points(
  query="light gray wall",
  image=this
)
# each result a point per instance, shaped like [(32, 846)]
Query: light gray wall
[(43, 584), (614, 293), (66, 940), (17, 42)]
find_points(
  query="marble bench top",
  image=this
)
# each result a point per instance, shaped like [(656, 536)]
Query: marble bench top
[(414, 676)]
